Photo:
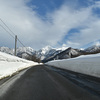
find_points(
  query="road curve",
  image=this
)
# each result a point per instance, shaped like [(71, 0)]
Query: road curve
[(42, 83)]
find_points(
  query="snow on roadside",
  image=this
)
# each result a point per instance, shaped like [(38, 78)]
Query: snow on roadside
[(10, 64), (88, 64)]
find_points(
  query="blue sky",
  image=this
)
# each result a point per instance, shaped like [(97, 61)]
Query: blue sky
[(38, 23), (44, 6)]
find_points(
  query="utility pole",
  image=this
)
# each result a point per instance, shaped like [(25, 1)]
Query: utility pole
[(15, 44)]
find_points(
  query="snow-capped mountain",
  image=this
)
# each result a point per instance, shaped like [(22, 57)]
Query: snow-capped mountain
[(97, 42), (68, 53), (46, 52), (7, 50), (94, 48), (28, 50), (49, 53), (25, 52), (22, 52)]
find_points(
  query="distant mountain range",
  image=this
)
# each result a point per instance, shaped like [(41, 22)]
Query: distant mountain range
[(93, 43), (48, 53)]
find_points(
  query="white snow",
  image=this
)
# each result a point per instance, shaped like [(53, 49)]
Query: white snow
[(10, 64), (25, 49), (46, 49), (62, 49), (89, 65)]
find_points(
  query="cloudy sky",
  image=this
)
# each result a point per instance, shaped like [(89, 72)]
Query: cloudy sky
[(38, 23)]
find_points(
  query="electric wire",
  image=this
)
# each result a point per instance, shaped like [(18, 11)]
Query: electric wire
[(10, 31), (20, 42), (7, 26), (7, 31)]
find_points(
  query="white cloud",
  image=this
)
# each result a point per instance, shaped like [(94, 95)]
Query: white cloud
[(90, 31), (98, 43), (37, 33), (23, 21), (72, 44), (88, 34)]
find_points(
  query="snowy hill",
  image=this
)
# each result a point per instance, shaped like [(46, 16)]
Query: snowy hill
[(10, 64), (88, 64)]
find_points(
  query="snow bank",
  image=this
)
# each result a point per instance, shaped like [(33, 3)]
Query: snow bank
[(11, 64), (89, 65)]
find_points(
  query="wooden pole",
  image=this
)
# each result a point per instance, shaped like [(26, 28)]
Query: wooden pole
[(15, 44)]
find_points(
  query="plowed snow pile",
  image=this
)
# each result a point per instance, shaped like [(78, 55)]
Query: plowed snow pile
[(10, 64), (88, 64)]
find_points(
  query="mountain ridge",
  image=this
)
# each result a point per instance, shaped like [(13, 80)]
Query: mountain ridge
[(48, 53)]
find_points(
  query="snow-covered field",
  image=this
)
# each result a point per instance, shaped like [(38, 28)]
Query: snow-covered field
[(89, 64), (11, 64)]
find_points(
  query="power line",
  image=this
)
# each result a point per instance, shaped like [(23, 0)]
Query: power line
[(10, 31), (7, 31), (7, 26), (21, 42)]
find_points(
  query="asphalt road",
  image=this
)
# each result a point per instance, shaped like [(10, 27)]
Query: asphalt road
[(42, 83)]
